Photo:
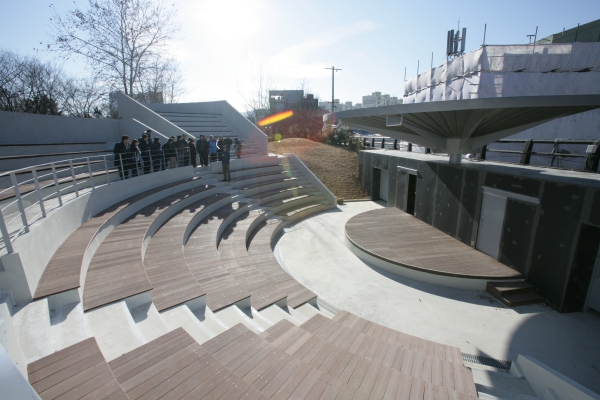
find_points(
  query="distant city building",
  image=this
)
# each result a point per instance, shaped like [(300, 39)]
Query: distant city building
[(282, 100), (376, 99), (326, 105)]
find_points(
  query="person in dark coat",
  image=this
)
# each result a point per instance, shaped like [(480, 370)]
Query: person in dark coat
[(120, 152), (144, 147), (156, 154), (202, 148), (225, 164), (134, 157), (180, 146), (192, 147), (169, 154)]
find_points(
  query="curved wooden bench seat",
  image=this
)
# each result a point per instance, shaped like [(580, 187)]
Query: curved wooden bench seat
[(203, 260), (63, 271), (236, 260), (259, 250), (117, 271), (166, 267)]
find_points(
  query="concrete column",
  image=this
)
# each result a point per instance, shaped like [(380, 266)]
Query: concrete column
[(455, 158)]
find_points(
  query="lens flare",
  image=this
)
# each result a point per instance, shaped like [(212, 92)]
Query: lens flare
[(275, 118)]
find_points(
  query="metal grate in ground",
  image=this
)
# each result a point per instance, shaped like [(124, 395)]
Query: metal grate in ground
[(490, 362)]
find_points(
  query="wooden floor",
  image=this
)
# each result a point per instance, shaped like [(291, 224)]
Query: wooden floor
[(397, 237), (117, 270), (203, 260), (261, 254), (166, 267), (74, 373), (175, 366), (234, 258), (63, 271)]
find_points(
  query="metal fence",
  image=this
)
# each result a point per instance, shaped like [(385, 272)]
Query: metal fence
[(27, 195), (558, 153)]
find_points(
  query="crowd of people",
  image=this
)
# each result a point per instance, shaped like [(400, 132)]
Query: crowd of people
[(146, 155)]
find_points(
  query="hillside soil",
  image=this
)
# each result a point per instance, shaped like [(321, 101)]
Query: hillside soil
[(336, 167)]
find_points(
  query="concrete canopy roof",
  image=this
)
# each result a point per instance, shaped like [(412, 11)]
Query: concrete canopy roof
[(461, 126)]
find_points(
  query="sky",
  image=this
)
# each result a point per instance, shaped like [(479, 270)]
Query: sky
[(224, 45)]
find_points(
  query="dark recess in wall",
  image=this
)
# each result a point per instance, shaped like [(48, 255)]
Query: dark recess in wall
[(425, 191), (468, 204), (447, 198), (583, 268)]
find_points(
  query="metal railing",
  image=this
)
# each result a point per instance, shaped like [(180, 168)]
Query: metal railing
[(28, 194)]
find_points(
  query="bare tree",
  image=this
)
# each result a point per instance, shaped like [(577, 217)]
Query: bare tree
[(84, 98), (256, 98), (162, 82), (120, 39)]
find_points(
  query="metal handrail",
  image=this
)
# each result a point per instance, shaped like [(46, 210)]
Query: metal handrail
[(74, 176)]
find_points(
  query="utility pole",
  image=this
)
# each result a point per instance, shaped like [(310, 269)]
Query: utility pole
[(333, 71)]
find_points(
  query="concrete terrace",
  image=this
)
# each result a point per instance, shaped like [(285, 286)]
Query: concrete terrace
[(313, 251)]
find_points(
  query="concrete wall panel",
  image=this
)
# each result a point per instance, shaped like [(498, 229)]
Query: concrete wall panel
[(468, 203), (425, 201), (561, 207), (516, 235), (447, 198), (528, 187)]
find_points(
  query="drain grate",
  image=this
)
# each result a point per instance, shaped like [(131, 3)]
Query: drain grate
[(490, 362)]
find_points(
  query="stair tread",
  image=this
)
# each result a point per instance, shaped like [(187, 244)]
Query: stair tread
[(508, 286), (522, 296)]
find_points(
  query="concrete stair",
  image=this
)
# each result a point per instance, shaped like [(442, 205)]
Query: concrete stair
[(513, 294)]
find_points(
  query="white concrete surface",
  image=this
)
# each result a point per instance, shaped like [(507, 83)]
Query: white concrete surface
[(182, 317), (232, 316), (313, 251), (210, 320), (308, 311), (149, 321), (67, 326), (32, 325), (274, 314), (14, 385), (114, 330), (9, 339), (548, 383)]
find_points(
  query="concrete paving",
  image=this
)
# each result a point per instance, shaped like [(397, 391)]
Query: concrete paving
[(313, 251)]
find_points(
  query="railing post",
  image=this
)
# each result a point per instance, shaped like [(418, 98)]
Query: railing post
[(60, 203), (13, 178), (106, 169), (122, 167), (39, 192), (90, 172), (176, 158), (383, 143), (395, 144), (5, 235), (74, 180), (151, 163), (526, 154), (409, 147)]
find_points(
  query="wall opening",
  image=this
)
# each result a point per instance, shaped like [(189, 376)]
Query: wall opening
[(376, 189), (384, 184), (582, 270), (411, 195)]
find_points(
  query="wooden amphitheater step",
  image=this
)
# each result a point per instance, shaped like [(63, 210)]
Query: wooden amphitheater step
[(235, 259), (274, 194), (63, 271), (334, 346), (165, 264), (79, 371), (260, 252), (247, 190), (302, 210), (513, 294), (398, 339), (176, 366), (117, 271), (202, 258)]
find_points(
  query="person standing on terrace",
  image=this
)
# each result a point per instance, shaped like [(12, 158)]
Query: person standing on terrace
[(120, 152)]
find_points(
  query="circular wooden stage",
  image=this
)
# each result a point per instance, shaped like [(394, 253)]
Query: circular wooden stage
[(404, 245)]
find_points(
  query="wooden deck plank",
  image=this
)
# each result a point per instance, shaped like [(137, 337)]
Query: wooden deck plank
[(402, 239), (120, 254), (63, 270), (75, 372)]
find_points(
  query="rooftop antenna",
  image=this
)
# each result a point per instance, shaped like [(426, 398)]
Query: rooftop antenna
[(431, 60), (404, 74), (453, 41), (576, 33), (534, 37), (484, 31), (418, 61)]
